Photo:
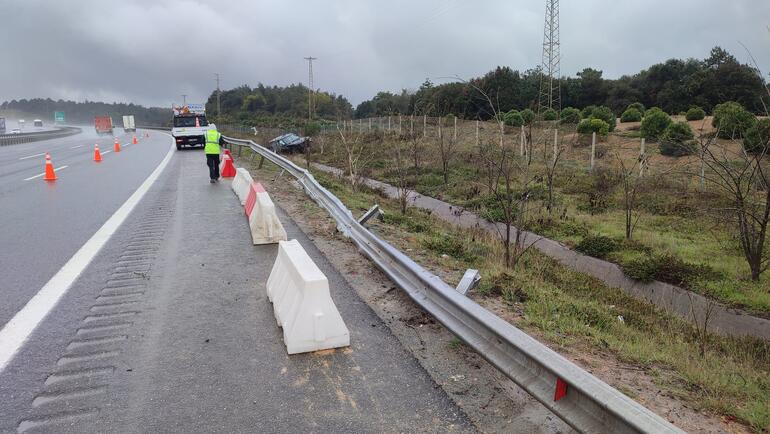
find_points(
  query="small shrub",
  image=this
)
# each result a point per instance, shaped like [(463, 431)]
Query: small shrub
[(527, 115), (732, 120), (597, 246), (695, 114), (588, 126), (513, 118), (448, 245), (601, 151), (550, 115), (757, 137), (670, 269), (599, 191), (654, 123), (637, 106), (605, 113), (570, 115), (677, 140), (631, 115), (586, 112)]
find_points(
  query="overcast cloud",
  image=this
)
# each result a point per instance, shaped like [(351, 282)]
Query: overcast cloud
[(152, 51)]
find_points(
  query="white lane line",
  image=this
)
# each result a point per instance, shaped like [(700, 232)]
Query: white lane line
[(20, 327), (106, 152), (56, 169), (32, 156), (78, 146)]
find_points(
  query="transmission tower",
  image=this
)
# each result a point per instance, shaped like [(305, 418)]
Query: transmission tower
[(310, 88), (550, 89)]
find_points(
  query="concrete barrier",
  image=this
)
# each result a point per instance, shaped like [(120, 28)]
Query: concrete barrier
[(302, 303), (265, 226), (241, 183)]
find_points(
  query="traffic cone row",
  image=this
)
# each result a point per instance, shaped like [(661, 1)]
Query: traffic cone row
[(50, 173)]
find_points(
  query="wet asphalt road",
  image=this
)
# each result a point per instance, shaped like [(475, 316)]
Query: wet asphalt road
[(43, 223), (169, 330)]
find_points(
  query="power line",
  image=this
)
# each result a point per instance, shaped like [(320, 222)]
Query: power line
[(550, 89), (310, 87)]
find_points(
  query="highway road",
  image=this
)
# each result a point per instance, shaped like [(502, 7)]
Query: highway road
[(46, 223), (167, 327)]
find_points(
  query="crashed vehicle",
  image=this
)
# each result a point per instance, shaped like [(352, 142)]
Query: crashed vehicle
[(289, 143)]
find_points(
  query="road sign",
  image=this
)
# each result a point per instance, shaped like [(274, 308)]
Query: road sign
[(58, 117)]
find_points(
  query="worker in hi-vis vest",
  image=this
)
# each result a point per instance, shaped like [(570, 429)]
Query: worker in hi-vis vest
[(213, 140)]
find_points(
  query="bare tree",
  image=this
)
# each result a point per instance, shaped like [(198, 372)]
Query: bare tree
[(404, 182), (550, 174), (446, 149), (357, 156), (744, 178), (631, 183)]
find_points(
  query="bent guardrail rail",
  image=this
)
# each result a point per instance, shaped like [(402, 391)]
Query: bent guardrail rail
[(15, 139), (580, 399)]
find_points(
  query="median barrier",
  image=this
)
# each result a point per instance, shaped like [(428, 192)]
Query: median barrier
[(265, 226), (302, 302), (241, 183)]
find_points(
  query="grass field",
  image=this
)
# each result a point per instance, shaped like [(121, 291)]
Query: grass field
[(675, 218), (730, 377)]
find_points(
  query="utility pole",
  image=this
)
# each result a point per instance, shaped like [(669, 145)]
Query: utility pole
[(184, 99), (550, 90), (219, 92), (310, 87)]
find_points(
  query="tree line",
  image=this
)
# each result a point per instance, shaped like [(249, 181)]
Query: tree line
[(84, 112), (263, 104), (674, 86)]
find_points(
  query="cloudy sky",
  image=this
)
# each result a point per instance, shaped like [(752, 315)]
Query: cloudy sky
[(152, 51)]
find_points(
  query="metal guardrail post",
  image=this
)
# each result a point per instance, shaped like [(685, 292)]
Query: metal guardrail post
[(577, 397)]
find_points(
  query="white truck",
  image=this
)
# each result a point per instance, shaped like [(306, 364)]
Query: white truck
[(190, 125), (128, 123)]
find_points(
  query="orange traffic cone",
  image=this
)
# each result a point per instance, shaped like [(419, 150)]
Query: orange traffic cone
[(117, 145), (134, 142), (97, 154), (50, 175)]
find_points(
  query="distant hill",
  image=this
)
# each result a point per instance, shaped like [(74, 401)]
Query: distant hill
[(84, 112)]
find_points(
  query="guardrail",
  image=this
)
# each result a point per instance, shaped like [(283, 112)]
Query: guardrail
[(15, 139), (580, 399)]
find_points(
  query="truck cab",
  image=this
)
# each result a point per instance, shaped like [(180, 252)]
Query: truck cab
[(189, 126)]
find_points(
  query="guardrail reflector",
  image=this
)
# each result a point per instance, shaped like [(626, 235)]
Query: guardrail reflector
[(561, 389)]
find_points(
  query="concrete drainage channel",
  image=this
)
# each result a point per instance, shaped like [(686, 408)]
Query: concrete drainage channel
[(16, 139), (580, 399)]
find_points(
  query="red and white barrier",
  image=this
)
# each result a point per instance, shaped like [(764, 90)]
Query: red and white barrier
[(302, 303), (265, 226), (241, 183)]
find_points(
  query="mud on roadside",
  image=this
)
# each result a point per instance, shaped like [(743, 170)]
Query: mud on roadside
[(491, 401)]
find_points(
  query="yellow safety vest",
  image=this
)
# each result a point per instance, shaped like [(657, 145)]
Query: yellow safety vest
[(212, 142)]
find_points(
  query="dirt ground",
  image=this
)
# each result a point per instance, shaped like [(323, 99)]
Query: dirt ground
[(492, 402)]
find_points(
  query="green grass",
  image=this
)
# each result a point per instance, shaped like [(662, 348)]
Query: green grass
[(731, 378)]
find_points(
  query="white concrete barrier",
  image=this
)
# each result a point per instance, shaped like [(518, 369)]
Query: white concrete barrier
[(241, 183), (302, 303), (265, 226)]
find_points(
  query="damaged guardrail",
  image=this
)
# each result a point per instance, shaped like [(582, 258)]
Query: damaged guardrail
[(580, 399), (15, 139)]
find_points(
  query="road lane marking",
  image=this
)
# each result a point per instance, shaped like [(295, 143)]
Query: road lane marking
[(106, 152), (38, 176), (78, 146), (20, 327), (32, 156)]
